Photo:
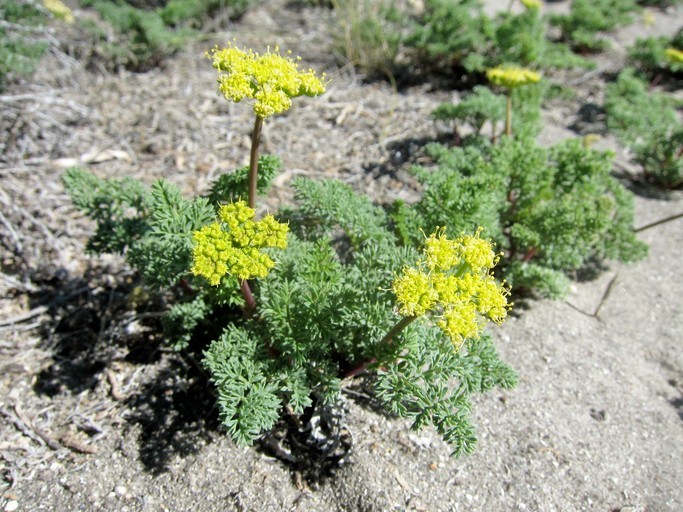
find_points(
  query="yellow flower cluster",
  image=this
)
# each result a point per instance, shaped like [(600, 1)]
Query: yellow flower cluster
[(674, 56), (532, 4), (233, 245), (511, 77), (59, 10), (271, 80), (454, 284)]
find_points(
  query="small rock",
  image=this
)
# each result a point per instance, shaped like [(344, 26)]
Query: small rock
[(11, 506)]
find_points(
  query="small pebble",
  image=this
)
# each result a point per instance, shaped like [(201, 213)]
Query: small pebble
[(11, 506)]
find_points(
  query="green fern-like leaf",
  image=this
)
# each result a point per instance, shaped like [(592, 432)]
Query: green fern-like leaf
[(327, 205), (431, 383), (120, 207), (233, 186), (247, 398), (164, 254)]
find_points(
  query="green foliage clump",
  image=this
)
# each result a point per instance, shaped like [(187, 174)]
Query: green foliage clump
[(588, 19), (480, 106), (145, 37), (647, 122), (521, 39), (285, 311), (452, 33), (120, 207), (19, 49), (649, 54), (324, 309), (455, 34), (232, 186), (418, 386), (370, 33), (527, 121), (550, 212)]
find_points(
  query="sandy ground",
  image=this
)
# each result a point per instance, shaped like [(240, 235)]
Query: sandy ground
[(95, 414)]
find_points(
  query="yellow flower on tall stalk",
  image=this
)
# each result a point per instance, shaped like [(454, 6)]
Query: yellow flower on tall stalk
[(271, 80), (453, 284), (511, 77), (234, 245)]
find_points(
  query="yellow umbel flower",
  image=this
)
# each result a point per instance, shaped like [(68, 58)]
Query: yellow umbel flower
[(271, 80), (674, 56), (511, 77), (233, 245), (59, 10), (453, 284), (415, 293), (532, 4)]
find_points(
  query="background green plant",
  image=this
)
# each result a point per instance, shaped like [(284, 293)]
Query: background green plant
[(647, 54), (147, 34), (370, 34), (551, 212), (451, 36), (647, 122), (587, 20), (21, 44), (475, 109), (457, 34)]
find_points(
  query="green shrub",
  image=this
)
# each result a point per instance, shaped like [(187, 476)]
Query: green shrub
[(480, 106), (521, 39), (145, 37), (453, 34), (285, 311), (588, 19), (647, 122), (649, 54), (446, 36), (20, 49), (550, 212), (370, 33)]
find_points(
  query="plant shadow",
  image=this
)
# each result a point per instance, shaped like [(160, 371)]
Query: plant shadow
[(175, 412), (84, 331), (96, 322), (591, 119)]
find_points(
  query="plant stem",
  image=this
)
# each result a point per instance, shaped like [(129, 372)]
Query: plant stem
[(508, 114), (388, 339), (253, 160), (530, 254), (249, 301), (400, 325)]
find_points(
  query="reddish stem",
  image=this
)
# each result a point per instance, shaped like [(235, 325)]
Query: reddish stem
[(530, 254), (388, 340), (253, 160), (249, 301)]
